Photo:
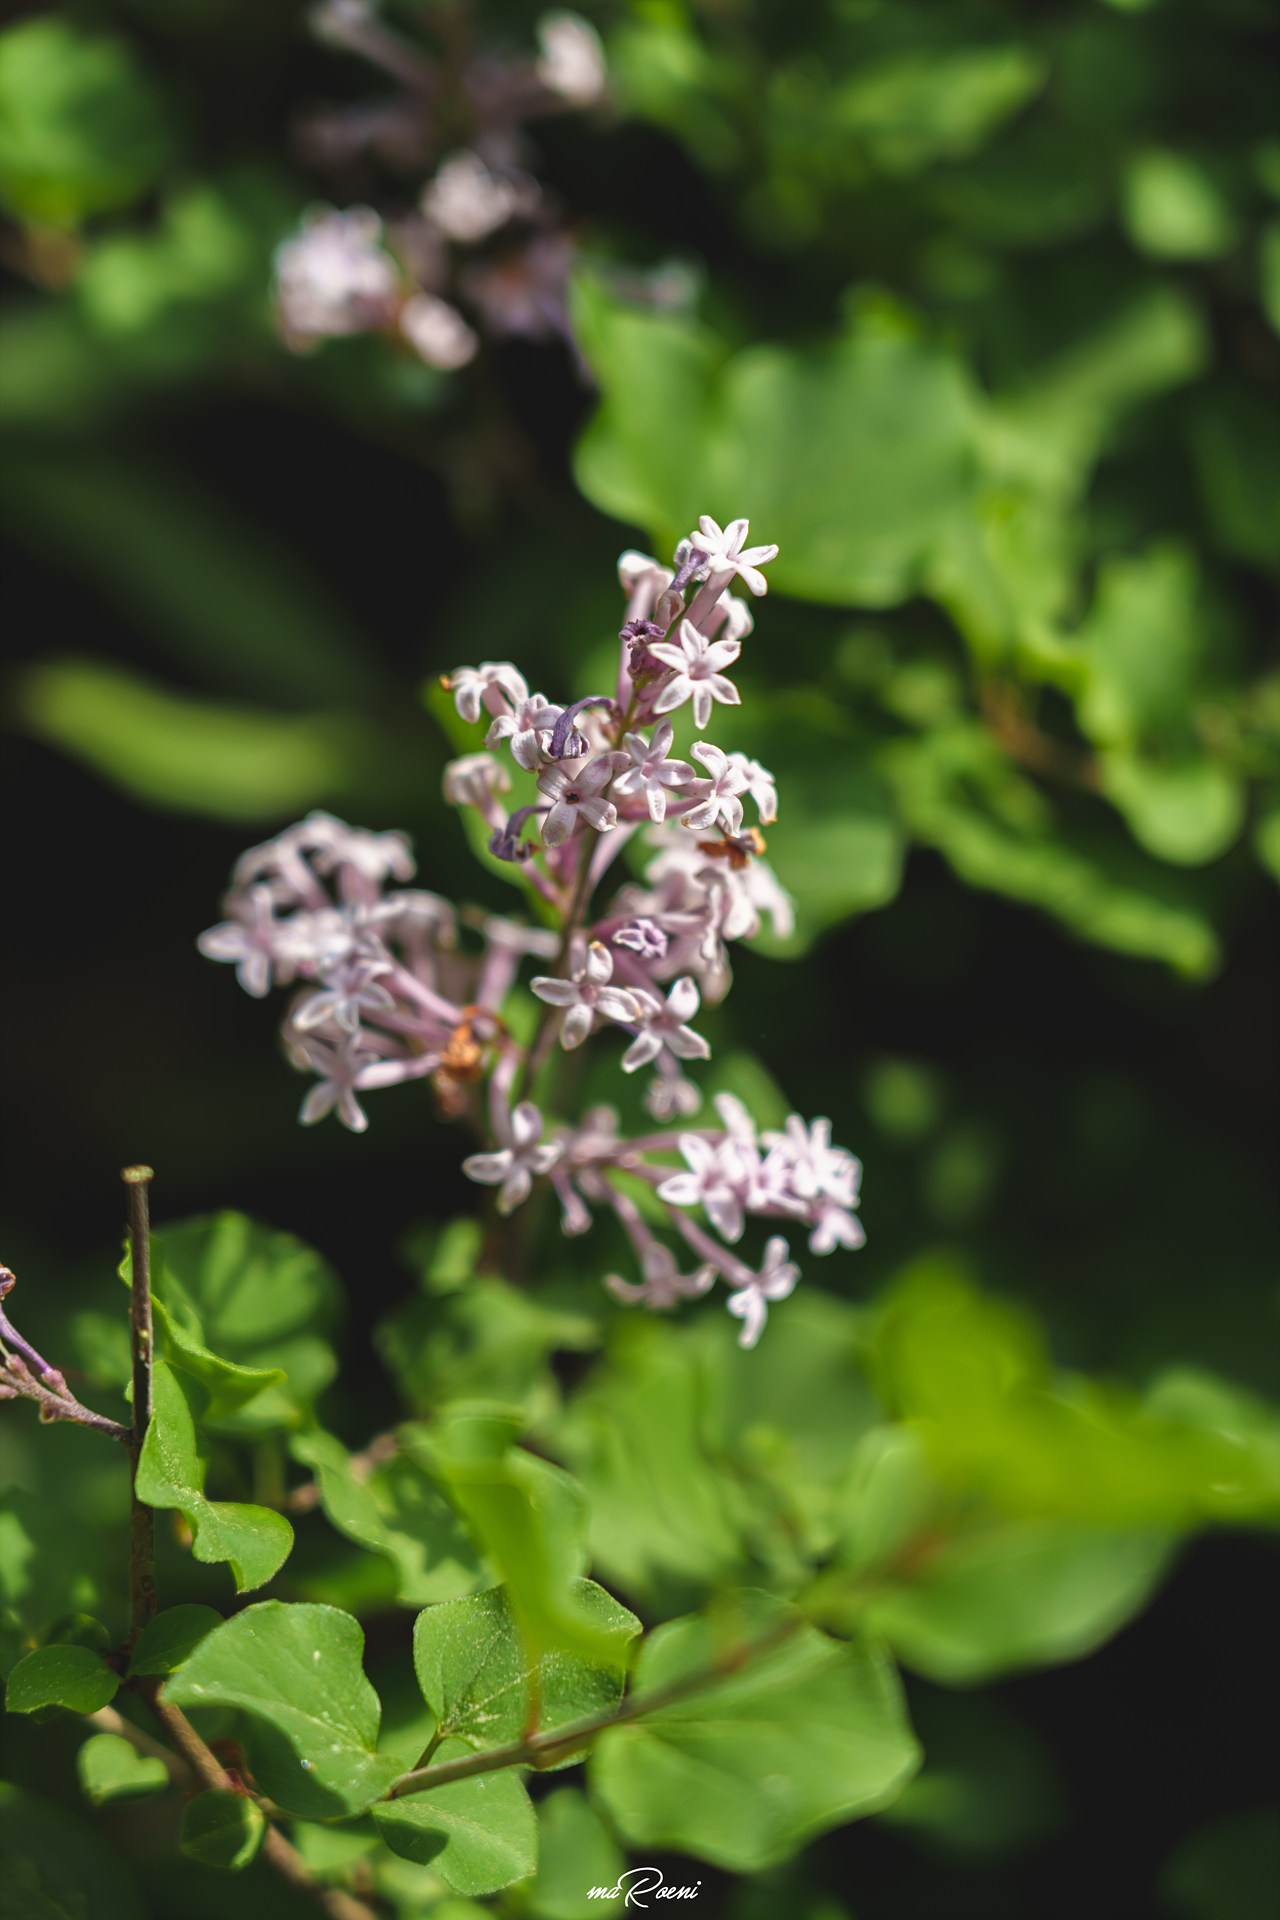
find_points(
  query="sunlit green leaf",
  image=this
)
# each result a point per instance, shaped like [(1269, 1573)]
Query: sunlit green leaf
[(60, 1676), (295, 1672), (478, 1835), (255, 1541), (743, 1772), (112, 1769), (576, 1852), (166, 1641), (81, 130), (482, 1687)]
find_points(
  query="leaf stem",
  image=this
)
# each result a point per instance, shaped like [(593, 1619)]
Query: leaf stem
[(540, 1749), (26, 1375), (142, 1540)]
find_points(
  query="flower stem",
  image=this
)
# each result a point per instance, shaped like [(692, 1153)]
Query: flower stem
[(142, 1542)]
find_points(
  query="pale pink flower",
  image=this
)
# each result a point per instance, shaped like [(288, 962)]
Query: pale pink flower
[(577, 797), (515, 1167), (651, 772), (775, 1280), (718, 797), (333, 277), (351, 988), (663, 1283), (485, 685), (664, 1026), (585, 994), (340, 1066), (713, 1182), (698, 676), (465, 200), (250, 940), (834, 1226), (726, 554), (760, 785), (437, 332), (474, 779), (572, 62), (528, 726)]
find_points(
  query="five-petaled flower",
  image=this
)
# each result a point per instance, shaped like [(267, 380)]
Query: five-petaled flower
[(713, 1183), (726, 555), (718, 797), (699, 675), (513, 1168)]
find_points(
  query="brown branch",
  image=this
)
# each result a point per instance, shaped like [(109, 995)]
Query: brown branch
[(1004, 713), (543, 1749), (26, 1375), (208, 1770)]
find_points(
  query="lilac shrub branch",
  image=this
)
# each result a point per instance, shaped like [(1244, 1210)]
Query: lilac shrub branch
[(26, 1375), (383, 987)]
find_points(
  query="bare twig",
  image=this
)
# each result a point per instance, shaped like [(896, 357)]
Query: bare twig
[(26, 1375), (142, 1546)]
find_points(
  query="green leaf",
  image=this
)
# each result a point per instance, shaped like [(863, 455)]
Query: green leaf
[(81, 131), (1174, 208), (478, 1835), (1141, 647), (914, 108), (263, 1300), (166, 1641), (296, 1672), (56, 1867), (111, 1769), (476, 1678), (744, 1772), (78, 1630), (60, 1676), (530, 1518), (576, 1852), (485, 1340), (397, 1510), (222, 1829), (1229, 1870), (42, 1570), (1009, 1596), (1186, 811), (987, 1789), (852, 457), (212, 590), (254, 1540), (171, 751), (661, 1510)]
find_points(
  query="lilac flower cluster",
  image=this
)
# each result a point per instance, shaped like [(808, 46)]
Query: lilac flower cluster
[(384, 988), (485, 232)]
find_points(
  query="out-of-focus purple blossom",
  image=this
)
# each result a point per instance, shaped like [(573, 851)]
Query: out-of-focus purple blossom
[(334, 278), (521, 293), (585, 994), (515, 1167), (466, 201), (249, 939), (494, 685), (669, 1096), (474, 779), (776, 1279), (663, 1283), (572, 62), (577, 799), (644, 937), (339, 1065), (665, 1026), (713, 1183), (760, 785), (351, 988), (698, 675), (437, 332)]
